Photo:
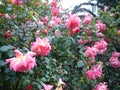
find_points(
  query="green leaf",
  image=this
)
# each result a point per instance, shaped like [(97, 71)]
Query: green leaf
[(5, 48), (80, 63), (2, 63)]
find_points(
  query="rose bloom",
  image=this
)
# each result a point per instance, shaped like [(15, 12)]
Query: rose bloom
[(100, 26), (91, 52), (41, 46), (101, 46), (101, 86), (95, 72), (22, 63), (73, 21), (114, 60), (47, 87), (87, 20), (55, 11)]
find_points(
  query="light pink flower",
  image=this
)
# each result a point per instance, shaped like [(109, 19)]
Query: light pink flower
[(73, 21), (41, 46), (101, 46), (57, 20), (47, 87), (8, 16), (87, 20), (100, 34), (95, 72), (105, 8), (80, 41), (114, 60), (22, 63), (100, 26), (91, 52), (101, 86)]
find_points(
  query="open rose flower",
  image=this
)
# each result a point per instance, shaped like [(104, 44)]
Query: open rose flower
[(95, 72), (87, 20), (41, 46), (101, 86), (22, 63)]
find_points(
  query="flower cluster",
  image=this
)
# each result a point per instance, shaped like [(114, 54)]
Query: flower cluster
[(98, 48)]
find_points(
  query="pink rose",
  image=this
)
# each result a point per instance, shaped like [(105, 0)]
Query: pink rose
[(101, 86), (22, 63), (73, 21), (114, 60), (87, 20), (47, 87), (101, 46), (95, 72), (41, 46), (91, 52), (100, 26)]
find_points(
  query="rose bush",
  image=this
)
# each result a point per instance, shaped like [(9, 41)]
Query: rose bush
[(41, 44)]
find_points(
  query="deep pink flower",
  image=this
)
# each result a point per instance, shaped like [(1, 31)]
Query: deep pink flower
[(100, 26), (114, 60), (55, 11), (41, 46), (47, 87), (95, 72), (73, 21), (54, 3), (91, 52), (22, 63), (101, 46), (87, 20), (101, 86)]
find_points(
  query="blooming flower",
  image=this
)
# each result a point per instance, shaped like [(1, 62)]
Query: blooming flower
[(22, 63), (101, 86), (73, 21), (114, 60), (55, 11), (100, 26), (41, 46), (101, 46), (87, 20), (47, 87), (91, 52), (95, 72)]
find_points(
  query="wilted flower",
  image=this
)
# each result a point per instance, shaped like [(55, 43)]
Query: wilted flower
[(22, 63), (41, 46)]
